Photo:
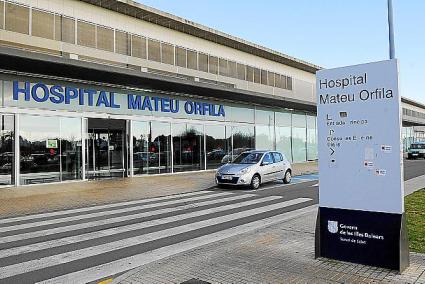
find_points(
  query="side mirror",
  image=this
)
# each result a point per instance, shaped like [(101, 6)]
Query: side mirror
[(264, 163)]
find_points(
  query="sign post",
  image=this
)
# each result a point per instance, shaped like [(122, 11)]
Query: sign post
[(361, 215)]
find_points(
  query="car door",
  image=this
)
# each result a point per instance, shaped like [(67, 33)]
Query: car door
[(279, 166), (267, 167)]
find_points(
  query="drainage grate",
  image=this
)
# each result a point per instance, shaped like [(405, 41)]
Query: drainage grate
[(195, 281)]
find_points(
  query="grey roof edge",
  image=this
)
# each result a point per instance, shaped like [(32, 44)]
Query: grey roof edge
[(149, 14), (413, 102)]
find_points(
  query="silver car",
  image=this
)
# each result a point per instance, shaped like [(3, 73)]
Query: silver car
[(254, 168)]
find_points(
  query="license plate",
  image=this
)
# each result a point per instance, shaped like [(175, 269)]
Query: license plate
[(414, 154), (227, 177)]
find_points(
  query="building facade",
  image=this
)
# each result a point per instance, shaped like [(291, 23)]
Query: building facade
[(92, 89), (113, 88)]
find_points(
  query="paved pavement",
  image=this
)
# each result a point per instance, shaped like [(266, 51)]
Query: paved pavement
[(216, 235), (413, 168)]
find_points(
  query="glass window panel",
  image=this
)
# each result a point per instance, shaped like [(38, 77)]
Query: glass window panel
[(138, 46), (159, 147), (167, 53), (283, 118), (68, 30), (105, 38), (215, 136), (192, 59), (283, 80), (229, 155), (188, 147), (264, 77), (71, 141), (86, 34), (257, 75), (299, 138), (241, 114), (141, 155), (203, 62), (241, 71), (249, 74), (42, 24), (232, 69), (122, 43), (289, 83), (17, 18), (39, 149), (1, 14), (283, 141), (264, 117), (277, 81), (270, 78), (58, 27), (7, 152), (264, 137), (243, 139), (154, 52), (223, 68), (311, 138), (181, 57), (213, 64)]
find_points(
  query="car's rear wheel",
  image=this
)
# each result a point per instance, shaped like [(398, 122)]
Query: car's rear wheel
[(288, 177), (255, 182)]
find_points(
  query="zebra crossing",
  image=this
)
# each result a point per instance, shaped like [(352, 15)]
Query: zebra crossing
[(87, 244)]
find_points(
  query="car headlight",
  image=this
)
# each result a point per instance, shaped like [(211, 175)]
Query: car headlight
[(245, 171)]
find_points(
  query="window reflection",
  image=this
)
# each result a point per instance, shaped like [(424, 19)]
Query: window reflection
[(46, 148), (216, 144), (159, 147), (188, 147), (7, 161), (243, 140)]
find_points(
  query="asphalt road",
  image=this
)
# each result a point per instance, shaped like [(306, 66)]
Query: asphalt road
[(94, 243)]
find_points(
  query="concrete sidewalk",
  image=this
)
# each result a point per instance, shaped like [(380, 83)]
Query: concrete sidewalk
[(282, 253), (32, 199)]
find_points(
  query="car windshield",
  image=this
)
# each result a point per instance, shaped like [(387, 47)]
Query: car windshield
[(417, 146), (248, 158)]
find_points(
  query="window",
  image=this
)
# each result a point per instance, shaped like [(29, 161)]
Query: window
[(17, 18), (7, 152), (86, 34), (289, 83), (264, 117), (213, 64), (66, 27), (138, 46), (216, 143), (180, 57), (277, 157), (270, 78), (70, 141), (122, 43), (232, 69), (263, 77), (42, 24), (203, 62), (241, 71), (283, 133), (167, 51), (257, 75), (311, 138), (1, 14), (264, 137), (105, 38), (188, 147), (243, 139), (299, 138), (154, 53), (240, 114), (140, 147), (192, 59), (249, 74), (223, 69), (268, 158), (277, 81)]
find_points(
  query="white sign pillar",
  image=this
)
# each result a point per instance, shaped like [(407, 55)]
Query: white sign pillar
[(361, 195)]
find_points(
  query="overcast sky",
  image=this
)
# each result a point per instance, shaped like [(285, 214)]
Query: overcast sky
[(329, 33)]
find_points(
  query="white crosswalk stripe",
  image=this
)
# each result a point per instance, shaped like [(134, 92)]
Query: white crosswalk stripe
[(133, 232)]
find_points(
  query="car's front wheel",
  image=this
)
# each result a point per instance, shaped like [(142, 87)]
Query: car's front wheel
[(288, 177), (255, 182)]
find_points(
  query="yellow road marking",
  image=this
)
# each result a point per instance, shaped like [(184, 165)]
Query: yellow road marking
[(106, 281)]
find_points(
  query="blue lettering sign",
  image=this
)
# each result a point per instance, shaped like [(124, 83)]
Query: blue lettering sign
[(57, 94)]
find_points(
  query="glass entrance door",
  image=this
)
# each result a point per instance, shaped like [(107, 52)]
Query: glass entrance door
[(105, 153)]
